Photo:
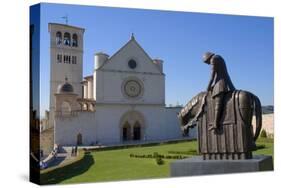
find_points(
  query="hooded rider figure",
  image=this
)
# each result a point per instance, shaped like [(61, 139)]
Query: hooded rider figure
[(219, 84)]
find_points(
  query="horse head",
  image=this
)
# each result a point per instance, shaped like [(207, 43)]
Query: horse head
[(191, 111)]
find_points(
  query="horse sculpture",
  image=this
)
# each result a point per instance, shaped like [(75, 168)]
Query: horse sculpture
[(235, 138)]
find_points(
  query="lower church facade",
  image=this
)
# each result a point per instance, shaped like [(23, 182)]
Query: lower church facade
[(116, 124)]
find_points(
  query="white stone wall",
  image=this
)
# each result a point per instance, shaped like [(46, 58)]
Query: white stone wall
[(154, 121), (90, 88), (85, 90), (109, 88), (173, 125), (67, 129), (267, 123), (104, 125)]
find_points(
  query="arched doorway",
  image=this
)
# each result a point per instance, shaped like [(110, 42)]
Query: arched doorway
[(137, 131), (79, 139), (132, 126), (126, 131)]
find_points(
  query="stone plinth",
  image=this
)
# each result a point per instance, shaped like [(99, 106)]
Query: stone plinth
[(197, 166)]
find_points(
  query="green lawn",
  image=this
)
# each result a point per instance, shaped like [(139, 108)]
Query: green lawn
[(268, 149), (116, 164)]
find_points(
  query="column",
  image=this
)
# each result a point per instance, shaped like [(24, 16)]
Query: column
[(85, 87)]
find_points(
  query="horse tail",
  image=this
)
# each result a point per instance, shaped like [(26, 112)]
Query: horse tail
[(258, 113), (249, 100)]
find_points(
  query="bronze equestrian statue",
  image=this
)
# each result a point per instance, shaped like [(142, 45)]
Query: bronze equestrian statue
[(223, 116)]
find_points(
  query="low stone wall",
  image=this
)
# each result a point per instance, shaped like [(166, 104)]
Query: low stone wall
[(47, 141), (267, 124)]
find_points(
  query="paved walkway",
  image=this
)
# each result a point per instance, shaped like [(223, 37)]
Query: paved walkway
[(63, 156)]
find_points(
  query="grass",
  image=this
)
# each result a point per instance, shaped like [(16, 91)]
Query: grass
[(67, 171), (268, 149), (113, 165)]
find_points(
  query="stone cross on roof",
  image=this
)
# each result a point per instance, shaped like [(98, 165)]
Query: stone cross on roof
[(66, 19)]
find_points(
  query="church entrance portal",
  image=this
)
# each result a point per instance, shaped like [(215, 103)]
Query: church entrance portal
[(132, 126)]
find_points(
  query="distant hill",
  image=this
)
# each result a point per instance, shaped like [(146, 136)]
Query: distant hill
[(267, 109)]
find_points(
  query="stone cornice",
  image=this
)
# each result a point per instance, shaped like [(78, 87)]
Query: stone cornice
[(130, 72), (130, 103)]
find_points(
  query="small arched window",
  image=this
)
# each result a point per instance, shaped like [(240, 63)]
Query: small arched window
[(66, 39), (58, 38), (74, 40), (79, 139)]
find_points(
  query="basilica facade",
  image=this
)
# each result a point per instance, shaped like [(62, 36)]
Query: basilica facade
[(122, 101)]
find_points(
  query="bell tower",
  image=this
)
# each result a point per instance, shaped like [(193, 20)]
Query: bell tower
[(66, 60)]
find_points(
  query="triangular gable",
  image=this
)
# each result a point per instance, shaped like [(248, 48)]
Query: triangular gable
[(131, 50)]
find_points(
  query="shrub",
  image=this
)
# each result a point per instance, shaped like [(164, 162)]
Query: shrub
[(189, 152), (263, 134), (87, 152), (161, 156), (159, 161), (155, 155)]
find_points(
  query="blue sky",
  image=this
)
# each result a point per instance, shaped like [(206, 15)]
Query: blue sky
[(179, 38)]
